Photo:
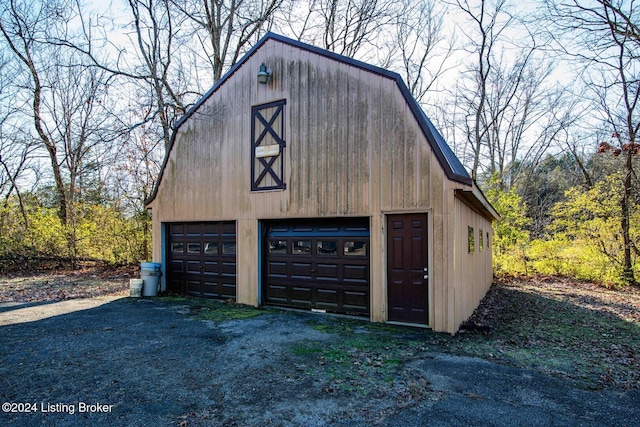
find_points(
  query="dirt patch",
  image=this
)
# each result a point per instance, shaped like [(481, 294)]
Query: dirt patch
[(58, 285), (192, 362)]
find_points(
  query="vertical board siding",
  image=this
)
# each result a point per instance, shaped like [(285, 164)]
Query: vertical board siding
[(473, 271), (353, 148)]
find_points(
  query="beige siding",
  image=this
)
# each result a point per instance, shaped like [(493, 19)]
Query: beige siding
[(348, 130), (473, 270), (353, 149)]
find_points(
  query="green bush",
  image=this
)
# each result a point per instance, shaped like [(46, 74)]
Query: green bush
[(510, 236), (96, 231)]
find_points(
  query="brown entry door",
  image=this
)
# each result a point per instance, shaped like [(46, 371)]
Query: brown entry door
[(406, 268)]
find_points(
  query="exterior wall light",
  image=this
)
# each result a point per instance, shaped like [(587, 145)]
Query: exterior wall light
[(263, 74)]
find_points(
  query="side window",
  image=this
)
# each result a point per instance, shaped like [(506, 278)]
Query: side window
[(471, 242), (267, 146), (480, 242)]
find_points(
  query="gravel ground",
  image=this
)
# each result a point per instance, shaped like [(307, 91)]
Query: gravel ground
[(109, 361)]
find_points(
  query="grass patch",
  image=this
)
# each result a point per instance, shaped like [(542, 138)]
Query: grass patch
[(573, 330), (360, 354), (565, 329), (216, 311)]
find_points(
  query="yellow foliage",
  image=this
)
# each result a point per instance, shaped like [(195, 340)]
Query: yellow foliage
[(95, 231)]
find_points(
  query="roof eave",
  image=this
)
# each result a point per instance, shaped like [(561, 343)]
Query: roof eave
[(474, 197)]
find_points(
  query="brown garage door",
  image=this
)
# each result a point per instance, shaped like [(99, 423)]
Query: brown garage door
[(202, 259), (317, 264)]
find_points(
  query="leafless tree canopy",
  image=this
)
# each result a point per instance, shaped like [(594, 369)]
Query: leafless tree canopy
[(89, 97)]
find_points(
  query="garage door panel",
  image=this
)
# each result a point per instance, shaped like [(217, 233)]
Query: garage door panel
[(193, 267), (277, 293), (229, 229), (301, 269), (328, 298), (228, 268), (277, 269), (324, 305), (210, 288), (177, 266), (210, 267), (321, 264), (355, 297), (176, 229), (194, 248), (193, 286), (300, 296), (177, 285), (300, 293), (201, 259), (177, 247), (210, 229), (193, 229), (328, 272), (355, 273)]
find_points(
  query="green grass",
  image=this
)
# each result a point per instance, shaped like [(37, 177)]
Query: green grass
[(582, 335), (360, 352), (560, 337), (550, 332), (216, 311)]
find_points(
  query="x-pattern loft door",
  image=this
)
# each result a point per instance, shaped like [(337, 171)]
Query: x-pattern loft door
[(267, 146)]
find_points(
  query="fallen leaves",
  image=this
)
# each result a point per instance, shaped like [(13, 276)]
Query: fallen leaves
[(572, 329), (65, 285)]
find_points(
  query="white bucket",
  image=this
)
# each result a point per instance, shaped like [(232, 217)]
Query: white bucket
[(135, 287)]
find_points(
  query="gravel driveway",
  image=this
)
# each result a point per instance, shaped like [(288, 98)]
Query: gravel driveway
[(152, 362)]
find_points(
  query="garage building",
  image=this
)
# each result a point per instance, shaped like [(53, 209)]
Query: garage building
[(309, 180)]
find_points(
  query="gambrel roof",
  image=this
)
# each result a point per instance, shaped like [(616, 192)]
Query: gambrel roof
[(451, 165)]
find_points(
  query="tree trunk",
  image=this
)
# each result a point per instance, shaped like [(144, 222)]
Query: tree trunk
[(627, 267)]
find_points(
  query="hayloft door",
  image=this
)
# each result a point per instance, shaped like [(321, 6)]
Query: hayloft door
[(407, 275)]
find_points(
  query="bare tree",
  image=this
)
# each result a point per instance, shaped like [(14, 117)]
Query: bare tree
[(24, 25), (150, 64), (225, 29), (354, 28), (604, 35), (15, 152), (69, 101), (155, 37), (136, 170), (482, 43), (15, 158), (424, 50), (506, 107)]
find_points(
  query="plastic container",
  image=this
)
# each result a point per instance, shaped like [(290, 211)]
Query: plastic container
[(150, 272), (135, 287)]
